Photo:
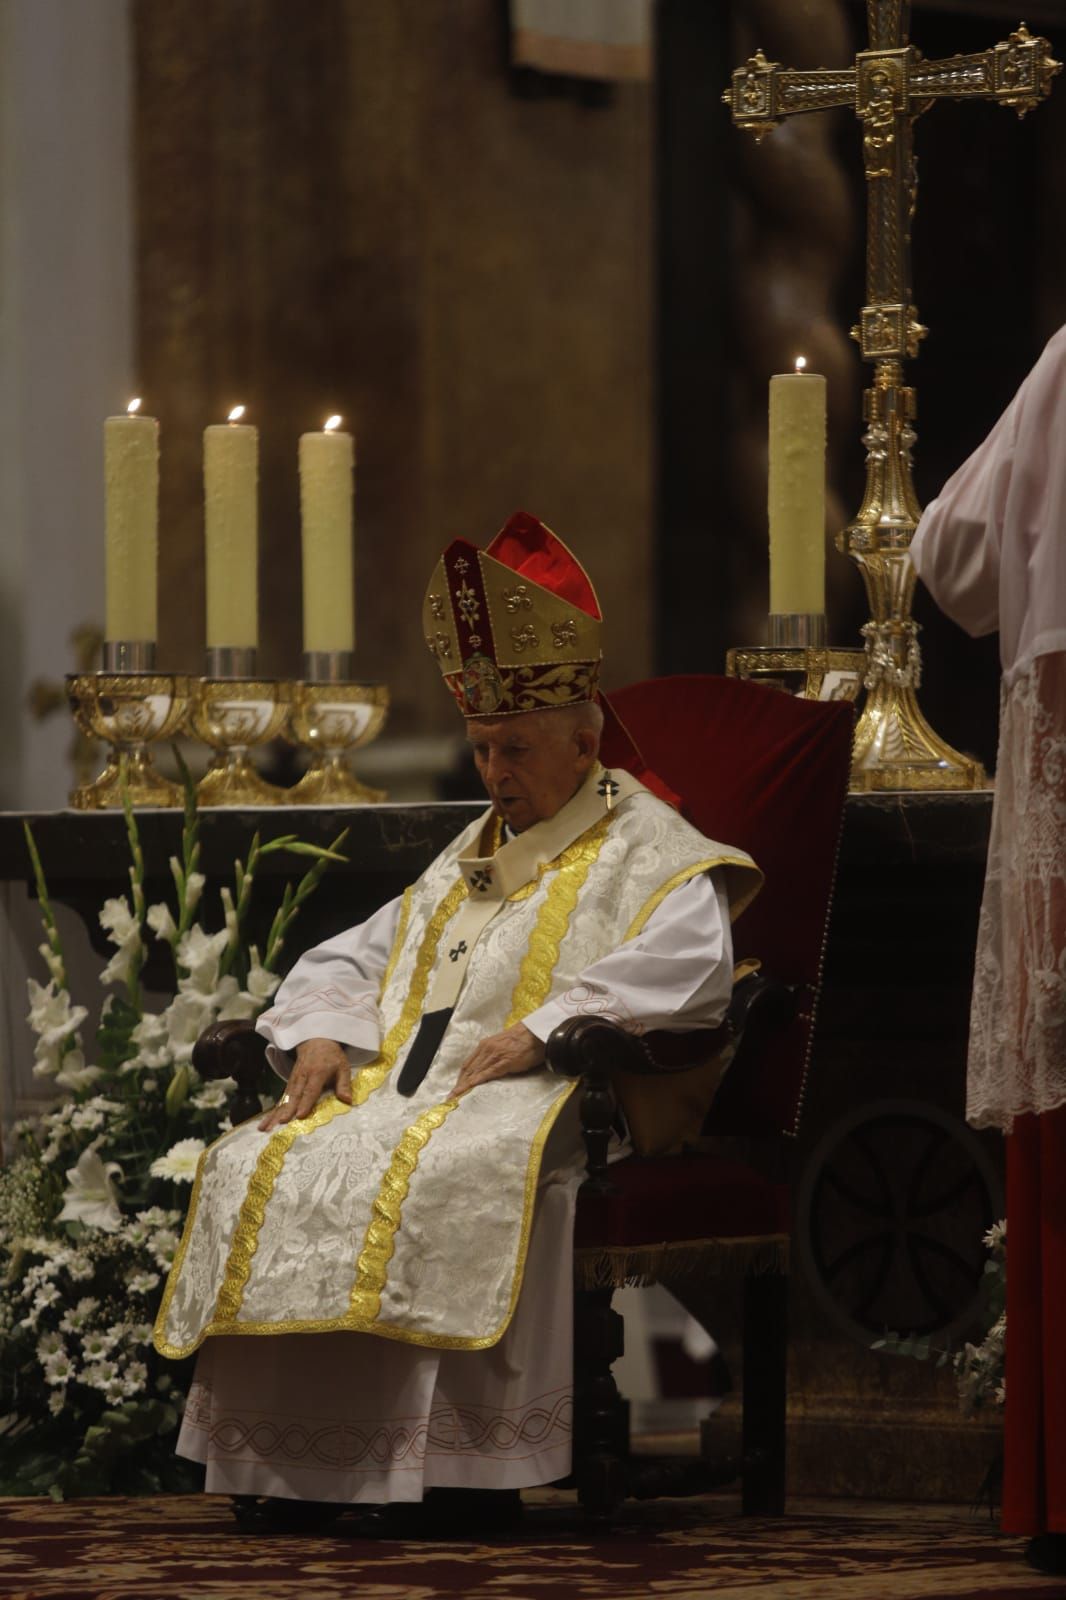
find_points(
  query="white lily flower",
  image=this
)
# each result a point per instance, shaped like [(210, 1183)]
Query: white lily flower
[(90, 1196), (160, 921), (180, 1161)]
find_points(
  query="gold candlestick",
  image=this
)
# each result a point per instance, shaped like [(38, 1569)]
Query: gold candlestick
[(332, 716), (130, 710), (888, 86), (232, 714)]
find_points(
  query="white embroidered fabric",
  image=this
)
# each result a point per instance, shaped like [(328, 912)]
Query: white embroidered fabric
[(1018, 1018), (991, 550)]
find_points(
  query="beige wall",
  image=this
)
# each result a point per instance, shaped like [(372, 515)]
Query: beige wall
[(344, 207)]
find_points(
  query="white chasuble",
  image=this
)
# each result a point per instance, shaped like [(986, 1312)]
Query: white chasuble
[(409, 1217)]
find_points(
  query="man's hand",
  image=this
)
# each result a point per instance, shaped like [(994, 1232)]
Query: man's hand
[(500, 1056), (321, 1064)]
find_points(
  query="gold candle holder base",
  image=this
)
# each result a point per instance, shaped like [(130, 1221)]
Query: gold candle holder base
[(810, 672), (232, 715), (130, 711), (332, 719)]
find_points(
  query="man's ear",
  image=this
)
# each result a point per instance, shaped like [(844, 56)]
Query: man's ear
[(588, 745)]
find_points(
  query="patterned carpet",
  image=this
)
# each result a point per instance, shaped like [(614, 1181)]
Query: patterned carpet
[(186, 1548)]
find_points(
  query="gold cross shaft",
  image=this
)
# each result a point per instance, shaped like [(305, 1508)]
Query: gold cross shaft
[(889, 86)]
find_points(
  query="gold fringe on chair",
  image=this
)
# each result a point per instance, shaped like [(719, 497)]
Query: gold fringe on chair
[(616, 1267)]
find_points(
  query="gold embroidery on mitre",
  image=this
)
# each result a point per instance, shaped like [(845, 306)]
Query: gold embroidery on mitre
[(481, 688)]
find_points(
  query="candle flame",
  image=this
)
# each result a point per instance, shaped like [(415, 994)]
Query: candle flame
[(236, 414), (801, 362), (331, 423), (134, 406)]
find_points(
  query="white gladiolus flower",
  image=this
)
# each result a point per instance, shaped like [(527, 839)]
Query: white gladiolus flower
[(161, 922), (152, 1038), (226, 896), (90, 1196), (180, 1162), (194, 888), (200, 953), (120, 966), (118, 920), (185, 1019), (53, 962), (261, 983), (75, 1074), (213, 1096), (53, 1019)]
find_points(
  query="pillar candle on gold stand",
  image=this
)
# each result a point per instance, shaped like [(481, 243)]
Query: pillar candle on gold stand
[(796, 492), (231, 481), (131, 498), (326, 492)]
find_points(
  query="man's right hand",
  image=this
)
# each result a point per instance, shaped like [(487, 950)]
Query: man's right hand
[(321, 1064)]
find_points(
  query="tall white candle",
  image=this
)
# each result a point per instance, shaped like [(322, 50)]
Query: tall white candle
[(326, 493), (231, 544), (796, 492), (131, 500)]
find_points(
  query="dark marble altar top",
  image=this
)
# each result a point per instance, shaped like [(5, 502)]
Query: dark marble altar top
[(396, 842)]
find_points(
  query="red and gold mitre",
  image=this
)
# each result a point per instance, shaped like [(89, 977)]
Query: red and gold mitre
[(515, 627)]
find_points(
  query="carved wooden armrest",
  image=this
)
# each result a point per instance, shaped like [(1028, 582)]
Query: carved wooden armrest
[(594, 1049), (234, 1050)]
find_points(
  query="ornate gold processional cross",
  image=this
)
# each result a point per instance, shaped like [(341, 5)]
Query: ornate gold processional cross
[(889, 86)]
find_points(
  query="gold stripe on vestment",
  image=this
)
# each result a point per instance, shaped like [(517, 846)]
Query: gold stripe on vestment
[(655, 900), (271, 1159), (531, 990)]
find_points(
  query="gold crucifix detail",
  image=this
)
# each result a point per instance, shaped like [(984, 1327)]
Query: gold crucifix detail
[(889, 86)]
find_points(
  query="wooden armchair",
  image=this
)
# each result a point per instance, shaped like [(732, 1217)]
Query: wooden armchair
[(769, 773), (760, 770)]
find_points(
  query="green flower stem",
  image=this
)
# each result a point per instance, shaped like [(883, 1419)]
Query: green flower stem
[(292, 901), (133, 980), (48, 921)]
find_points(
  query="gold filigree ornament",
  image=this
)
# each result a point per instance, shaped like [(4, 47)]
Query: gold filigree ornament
[(131, 711), (233, 715), (331, 720)]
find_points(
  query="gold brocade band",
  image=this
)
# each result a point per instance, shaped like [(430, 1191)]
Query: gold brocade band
[(272, 1158), (531, 990)]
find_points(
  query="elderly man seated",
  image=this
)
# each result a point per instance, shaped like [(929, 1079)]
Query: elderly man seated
[(379, 1271)]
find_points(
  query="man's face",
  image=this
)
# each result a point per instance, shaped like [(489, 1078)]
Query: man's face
[(531, 764)]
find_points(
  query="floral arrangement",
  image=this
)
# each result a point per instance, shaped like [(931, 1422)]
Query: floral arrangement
[(92, 1205), (979, 1368)]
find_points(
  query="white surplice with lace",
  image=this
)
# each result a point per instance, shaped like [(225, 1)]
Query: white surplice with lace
[(992, 551)]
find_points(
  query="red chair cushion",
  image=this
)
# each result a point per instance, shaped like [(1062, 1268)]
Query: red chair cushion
[(678, 1198)]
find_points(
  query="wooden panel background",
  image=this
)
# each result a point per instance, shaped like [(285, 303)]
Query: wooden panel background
[(344, 206)]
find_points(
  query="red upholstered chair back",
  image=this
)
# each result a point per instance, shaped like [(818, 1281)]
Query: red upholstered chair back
[(756, 768)]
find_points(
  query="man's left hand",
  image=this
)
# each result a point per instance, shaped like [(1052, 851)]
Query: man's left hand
[(500, 1056)]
